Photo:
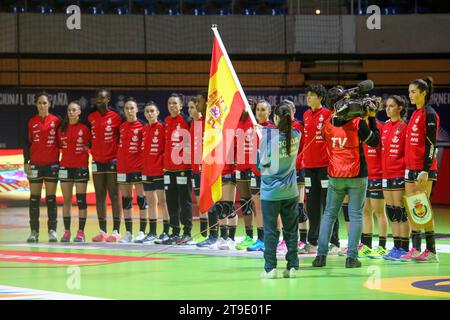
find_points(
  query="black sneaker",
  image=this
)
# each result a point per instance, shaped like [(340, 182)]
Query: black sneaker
[(173, 239), (320, 261), (352, 263), (162, 237), (185, 239)]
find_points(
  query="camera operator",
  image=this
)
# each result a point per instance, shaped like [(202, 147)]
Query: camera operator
[(347, 171)]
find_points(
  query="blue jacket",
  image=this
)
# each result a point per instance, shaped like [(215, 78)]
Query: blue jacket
[(278, 173)]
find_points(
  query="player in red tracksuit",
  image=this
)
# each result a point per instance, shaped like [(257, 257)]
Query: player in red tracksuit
[(245, 157), (374, 203), (105, 124), (74, 139), (303, 217), (315, 159), (129, 172), (421, 159), (393, 138), (197, 128), (246, 149), (263, 110), (178, 171), (153, 142), (41, 157)]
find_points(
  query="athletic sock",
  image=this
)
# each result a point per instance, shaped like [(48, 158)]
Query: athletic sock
[(224, 232), (397, 242), (405, 244), (67, 221), (416, 240), (303, 235), (153, 224), (81, 223), (166, 226), (260, 232), (204, 227), (116, 224), (128, 225), (431, 241), (102, 224), (232, 232), (382, 241), (366, 238), (249, 231), (142, 224)]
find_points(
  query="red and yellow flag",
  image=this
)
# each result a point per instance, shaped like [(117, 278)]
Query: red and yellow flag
[(226, 102)]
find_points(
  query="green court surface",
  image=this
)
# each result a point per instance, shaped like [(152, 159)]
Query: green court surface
[(98, 271)]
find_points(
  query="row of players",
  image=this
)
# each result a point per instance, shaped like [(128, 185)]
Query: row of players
[(127, 153)]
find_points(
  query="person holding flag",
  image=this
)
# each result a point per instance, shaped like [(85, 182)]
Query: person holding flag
[(226, 102)]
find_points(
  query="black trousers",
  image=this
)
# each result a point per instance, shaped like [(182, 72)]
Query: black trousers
[(178, 186), (316, 184)]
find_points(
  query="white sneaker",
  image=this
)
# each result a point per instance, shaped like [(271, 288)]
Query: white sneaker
[(272, 274), (140, 237), (52, 236), (222, 244), (128, 238), (227, 244), (333, 250), (291, 273)]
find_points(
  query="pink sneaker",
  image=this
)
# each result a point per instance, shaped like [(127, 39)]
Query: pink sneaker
[(101, 237), (301, 245), (344, 252), (114, 237), (66, 236), (411, 255), (427, 256), (281, 248), (80, 236)]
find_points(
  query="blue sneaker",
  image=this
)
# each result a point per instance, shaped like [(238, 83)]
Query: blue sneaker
[(398, 253), (390, 254), (258, 245), (208, 243)]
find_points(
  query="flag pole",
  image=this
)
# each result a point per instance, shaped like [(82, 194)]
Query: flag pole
[(236, 80)]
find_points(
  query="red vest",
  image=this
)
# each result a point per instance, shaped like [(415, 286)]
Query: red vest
[(343, 149)]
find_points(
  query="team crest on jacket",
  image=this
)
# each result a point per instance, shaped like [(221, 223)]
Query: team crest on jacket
[(136, 131), (395, 139), (52, 124), (155, 140), (156, 132), (80, 133), (414, 128)]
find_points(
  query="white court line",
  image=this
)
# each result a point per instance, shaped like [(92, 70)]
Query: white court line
[(17, 293), (179, 249)]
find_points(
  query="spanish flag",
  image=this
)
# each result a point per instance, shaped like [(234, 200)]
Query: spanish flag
[(226, 102)]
